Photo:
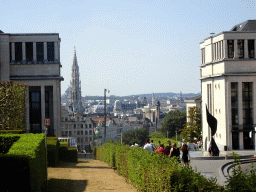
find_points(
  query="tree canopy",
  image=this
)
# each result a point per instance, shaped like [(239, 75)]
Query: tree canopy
[(173, 121), (193, 129), (138, 136)]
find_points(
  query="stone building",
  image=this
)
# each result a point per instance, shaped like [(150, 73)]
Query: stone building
[(228, 71), (34, 59)]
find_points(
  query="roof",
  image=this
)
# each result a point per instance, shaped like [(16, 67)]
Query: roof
[(100, 119), (196, 98), (249, 25)]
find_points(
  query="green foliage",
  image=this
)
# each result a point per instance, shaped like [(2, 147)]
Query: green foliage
[(6, 142), (240, 180), (148, 172), (12, 105), (193, 129), (157, 134), (53, 151), (67, 154), (139, 136), (164, 141), (24, 162), (173, 121)]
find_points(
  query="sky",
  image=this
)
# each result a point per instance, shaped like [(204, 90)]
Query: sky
[(128, 46)]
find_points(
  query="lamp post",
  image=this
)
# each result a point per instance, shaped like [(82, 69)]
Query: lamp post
[(105, 113)]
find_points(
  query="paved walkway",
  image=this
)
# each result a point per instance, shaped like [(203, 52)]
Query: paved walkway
[(87, 175)]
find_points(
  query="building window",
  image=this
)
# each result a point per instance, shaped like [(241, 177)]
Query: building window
[(230, 48), (86, 132), (203, 55), (10, 51), (18, 51), (247, 105), (251, 48), (50, 51), (78, 132), (90, 132), (29, 51), (234, 103), (85, 126), (240, 48), (90, 125), (81, 126), (90, 138), (74, 126), (40, 51), (86, 139), (82, 132)]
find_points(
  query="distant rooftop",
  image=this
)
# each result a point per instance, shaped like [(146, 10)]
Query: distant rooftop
[(249, 25)]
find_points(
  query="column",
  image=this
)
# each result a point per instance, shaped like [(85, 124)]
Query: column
[(55, 107), (13, 52), (225, 48), (43, 107), (246, 49), (235, 49), (23, 53), (45, 52), (34, 52), (221, 48), (27, 110), (240, 115), (56, 51)]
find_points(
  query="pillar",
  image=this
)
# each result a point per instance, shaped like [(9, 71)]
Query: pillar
[(235, 49), (23, 53), (43, 107), (246, 49), (240, 115), (45, 52), (225, 47), (56, 51), (34, 52), (13, 52)]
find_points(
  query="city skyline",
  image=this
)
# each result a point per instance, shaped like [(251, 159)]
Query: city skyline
[(129, 47)]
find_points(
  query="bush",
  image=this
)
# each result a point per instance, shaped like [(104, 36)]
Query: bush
[(164, 141), (149, 172), (53, 151), (67, 154), (25, 162)]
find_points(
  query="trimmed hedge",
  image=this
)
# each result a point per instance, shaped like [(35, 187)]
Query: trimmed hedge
[(53, 151), (149, 172), (24, 165), (67, 154)]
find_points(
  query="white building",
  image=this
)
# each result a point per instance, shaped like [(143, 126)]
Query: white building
[(34, 59), (228, 81)]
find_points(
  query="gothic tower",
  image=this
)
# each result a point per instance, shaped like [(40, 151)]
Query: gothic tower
[(75, 90)]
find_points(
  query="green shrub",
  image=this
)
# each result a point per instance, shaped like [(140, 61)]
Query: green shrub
[(164, 141), (68, 154), (53, 151), (24, 162), (149, 172)]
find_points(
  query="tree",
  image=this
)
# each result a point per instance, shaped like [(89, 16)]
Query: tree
[(138, 136), (157, 134), (173, 121), (193, 129)]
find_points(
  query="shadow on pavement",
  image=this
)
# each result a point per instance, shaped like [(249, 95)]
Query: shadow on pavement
[(66, 185)]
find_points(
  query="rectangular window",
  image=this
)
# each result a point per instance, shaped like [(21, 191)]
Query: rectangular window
[(240, 48), (86, 132), (47, 110), (81, 126), (234, 103), (230, 48), (29, 51), (90, 132), (50, 51), (74, 126), (247, 105), (82, 132), (40, 51), (18, 51), (90, 125), (251, 48), (85, 126), (78, 132), (203, 55)]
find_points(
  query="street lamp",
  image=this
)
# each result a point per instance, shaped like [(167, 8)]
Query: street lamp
[(105, 113)]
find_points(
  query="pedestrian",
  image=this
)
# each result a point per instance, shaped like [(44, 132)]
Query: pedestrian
[(179, 143), (175, 152), (185, 154), (188, 145), (161, 150), (210, 151), (153, 145), (148, 146), (199, 144), (168, 147), (158, 145)]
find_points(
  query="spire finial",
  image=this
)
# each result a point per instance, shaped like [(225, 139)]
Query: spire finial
[(74, 48)]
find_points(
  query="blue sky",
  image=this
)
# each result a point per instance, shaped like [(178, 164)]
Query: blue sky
[(128, 46)]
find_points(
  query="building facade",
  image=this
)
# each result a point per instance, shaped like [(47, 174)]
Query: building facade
[(34, 59), (228, 85)]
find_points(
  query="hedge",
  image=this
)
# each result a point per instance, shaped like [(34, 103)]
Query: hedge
[(67, 154), (23, 166), (53, 151), (149, 172)]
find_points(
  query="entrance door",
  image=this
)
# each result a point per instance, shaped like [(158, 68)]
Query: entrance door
[(35, 111), (247, 141), (235, 140)]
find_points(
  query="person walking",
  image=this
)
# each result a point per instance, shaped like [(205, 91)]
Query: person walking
[(148, 146), (158, 145), (161, 150), (175, 152), (168, 147), (179, 143), (185, 154)]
